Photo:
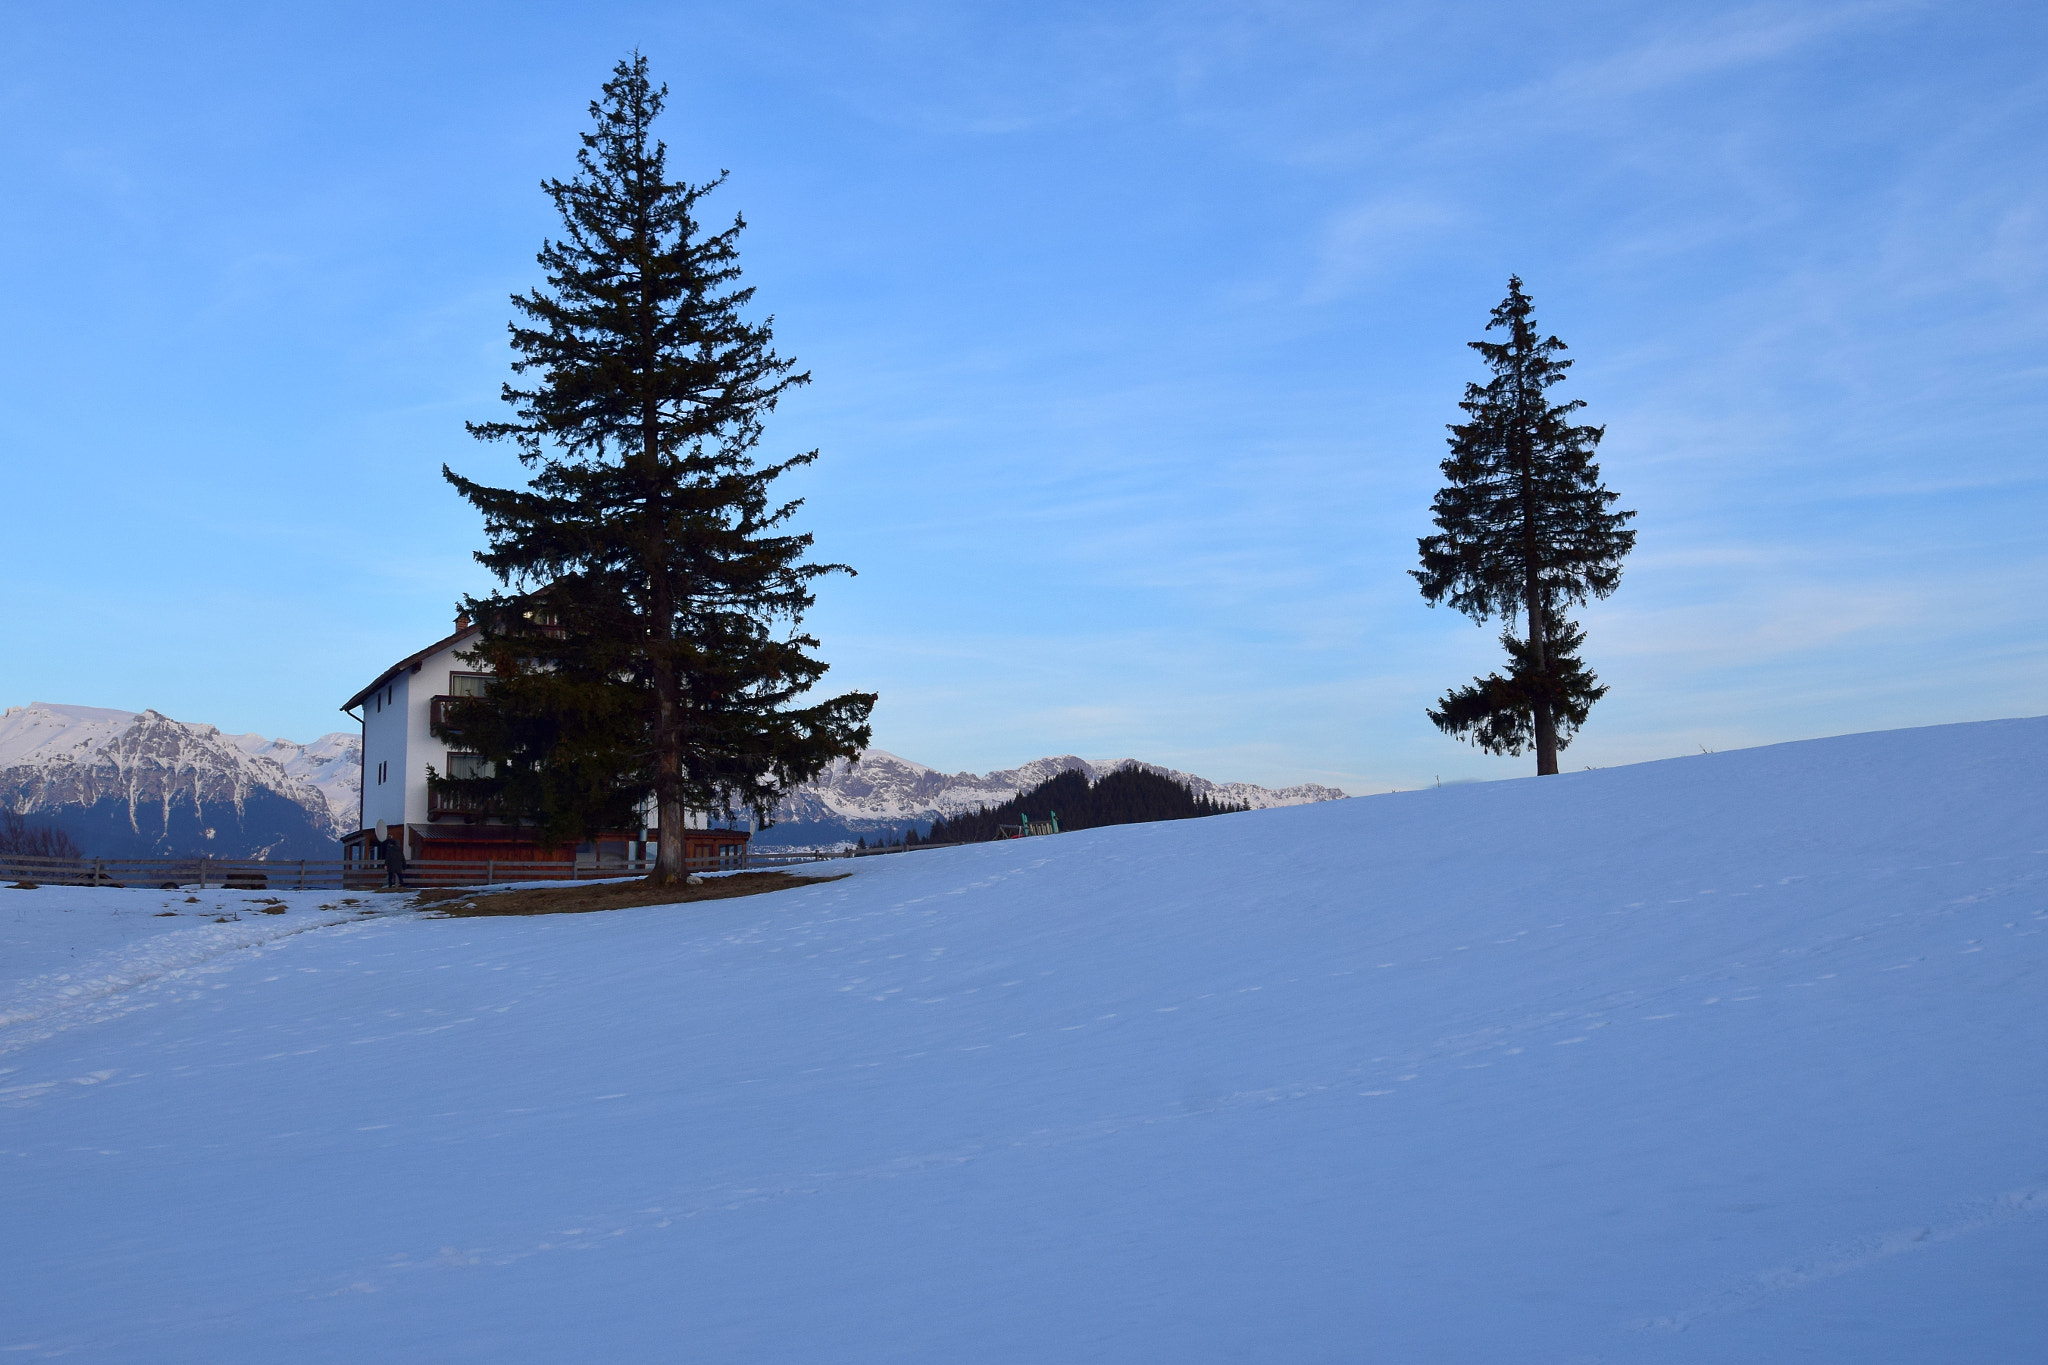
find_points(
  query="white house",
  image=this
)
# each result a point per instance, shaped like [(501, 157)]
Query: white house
[(398, 711)]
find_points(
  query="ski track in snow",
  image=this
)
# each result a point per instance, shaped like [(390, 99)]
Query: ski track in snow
[(1844, 1258), (141, 975)]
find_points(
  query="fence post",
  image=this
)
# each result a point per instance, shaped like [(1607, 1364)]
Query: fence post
[(490, 870), (202, 871)]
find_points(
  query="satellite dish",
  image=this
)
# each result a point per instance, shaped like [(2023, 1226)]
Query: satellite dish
[(383, 832)]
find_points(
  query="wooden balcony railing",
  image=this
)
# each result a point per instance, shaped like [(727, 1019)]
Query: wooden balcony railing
[(443, 799)]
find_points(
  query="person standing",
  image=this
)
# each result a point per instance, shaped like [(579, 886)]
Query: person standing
[(393, 853)]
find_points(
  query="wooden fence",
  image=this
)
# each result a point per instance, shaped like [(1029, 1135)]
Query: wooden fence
[(278, 874)]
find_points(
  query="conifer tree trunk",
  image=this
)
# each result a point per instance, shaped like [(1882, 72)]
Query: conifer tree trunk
[(670, 868), (668, 854), (668, 771), (1544, 723)]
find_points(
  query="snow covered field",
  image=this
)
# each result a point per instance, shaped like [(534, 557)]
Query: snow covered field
[(1739, 1058)]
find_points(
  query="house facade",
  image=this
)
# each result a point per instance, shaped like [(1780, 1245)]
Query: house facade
[(398, 711)]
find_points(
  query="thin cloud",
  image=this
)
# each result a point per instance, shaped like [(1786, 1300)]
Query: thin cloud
[(1726, 42), (1362, 240)]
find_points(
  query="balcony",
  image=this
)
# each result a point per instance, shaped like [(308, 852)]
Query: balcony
[(443, 798), (437, 711)]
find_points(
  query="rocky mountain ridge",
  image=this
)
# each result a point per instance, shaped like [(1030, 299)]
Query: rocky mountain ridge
[(140, 784)]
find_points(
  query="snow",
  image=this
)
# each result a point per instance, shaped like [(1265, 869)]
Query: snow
[(1731, 1058), (881, 758), (44, 732)]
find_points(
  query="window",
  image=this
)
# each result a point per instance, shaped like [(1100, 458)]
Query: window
[(468, 684), (470, 765), (381, 767)]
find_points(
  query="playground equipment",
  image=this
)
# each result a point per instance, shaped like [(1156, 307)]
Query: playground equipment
[(1049, 825)]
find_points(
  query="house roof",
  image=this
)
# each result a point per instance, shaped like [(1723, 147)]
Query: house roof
[(411, 661)]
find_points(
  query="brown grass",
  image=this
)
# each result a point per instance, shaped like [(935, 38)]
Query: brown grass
[(467, 902)]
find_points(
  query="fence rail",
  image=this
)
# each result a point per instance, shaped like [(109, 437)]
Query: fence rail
[(879, 849), (258, 874), (278, 874)]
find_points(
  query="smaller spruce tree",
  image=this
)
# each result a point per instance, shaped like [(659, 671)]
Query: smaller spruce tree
[(1524, 527)]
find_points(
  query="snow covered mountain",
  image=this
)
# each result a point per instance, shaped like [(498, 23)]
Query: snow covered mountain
[(332, 764), (883, 794), (128, 784)]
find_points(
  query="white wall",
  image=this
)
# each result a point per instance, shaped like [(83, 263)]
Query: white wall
[(398, 735), (384, 741)]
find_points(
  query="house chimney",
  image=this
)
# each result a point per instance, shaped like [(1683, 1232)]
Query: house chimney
[(461, 622)]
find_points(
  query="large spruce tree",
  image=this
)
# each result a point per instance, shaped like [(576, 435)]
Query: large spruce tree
[(1524, 528), (647, 640)]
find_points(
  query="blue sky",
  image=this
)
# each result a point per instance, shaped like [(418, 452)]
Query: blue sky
[(1134, 331)]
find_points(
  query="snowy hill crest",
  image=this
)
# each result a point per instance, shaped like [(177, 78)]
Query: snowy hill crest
[(1718, 1060)]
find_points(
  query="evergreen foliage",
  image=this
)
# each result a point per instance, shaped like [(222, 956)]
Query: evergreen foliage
[(1498, 714), (648, 638), (1128, 796), (1524, 528)]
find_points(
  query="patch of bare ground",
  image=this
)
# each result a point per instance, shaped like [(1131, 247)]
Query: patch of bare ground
[(467, 902)]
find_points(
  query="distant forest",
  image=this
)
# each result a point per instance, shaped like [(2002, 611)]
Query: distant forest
[(1128, 796)]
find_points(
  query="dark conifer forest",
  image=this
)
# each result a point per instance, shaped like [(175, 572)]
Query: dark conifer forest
[(1128, 796)]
